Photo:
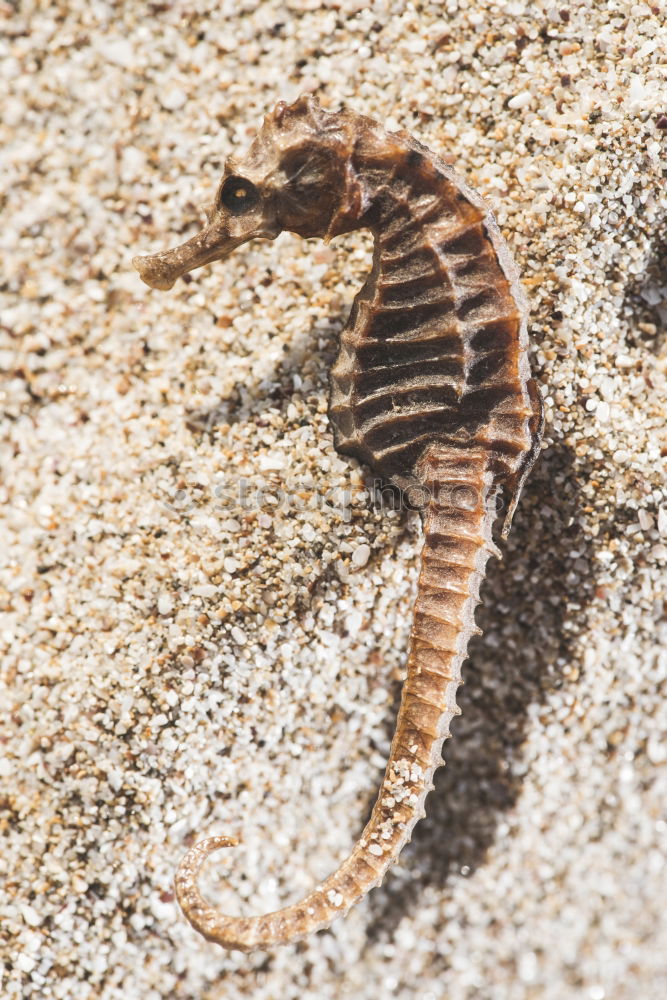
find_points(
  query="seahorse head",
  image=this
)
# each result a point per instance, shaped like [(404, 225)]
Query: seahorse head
[(297, 176)]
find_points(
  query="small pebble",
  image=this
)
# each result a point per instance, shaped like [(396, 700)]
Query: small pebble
[(662, 520), (173, 99), (165, 604), (361, 555), (645, 520)]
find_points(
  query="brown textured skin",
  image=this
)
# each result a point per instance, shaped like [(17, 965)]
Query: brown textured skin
[(431, 388)]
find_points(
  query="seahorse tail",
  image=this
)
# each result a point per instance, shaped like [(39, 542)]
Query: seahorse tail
[(457, 544)]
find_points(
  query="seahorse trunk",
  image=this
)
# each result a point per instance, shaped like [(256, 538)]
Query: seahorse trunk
[(458, 519)]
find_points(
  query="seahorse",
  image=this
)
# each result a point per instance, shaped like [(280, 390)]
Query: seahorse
[(431, 388)]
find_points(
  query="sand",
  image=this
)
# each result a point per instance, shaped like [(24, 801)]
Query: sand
[(183, 655)]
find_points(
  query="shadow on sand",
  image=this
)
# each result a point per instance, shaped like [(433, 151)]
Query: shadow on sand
[(534, 601), (531, 620)]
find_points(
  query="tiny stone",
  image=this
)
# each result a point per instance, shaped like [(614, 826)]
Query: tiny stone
[(165, 604), (120, 52), (645, 520), (26, 963), (656, 750), (173, 99), (521, 100), (272, 463), (361, 555), (662, 521), (31, 916)]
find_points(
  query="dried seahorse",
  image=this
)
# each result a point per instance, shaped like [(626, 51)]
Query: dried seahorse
[(431, 389)]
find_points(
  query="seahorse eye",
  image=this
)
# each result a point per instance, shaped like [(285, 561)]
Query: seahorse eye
[(238, 195)]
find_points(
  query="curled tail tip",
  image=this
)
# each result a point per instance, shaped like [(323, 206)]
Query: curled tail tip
[(192, 861), (205, 847), (218, 841), (230, 932)]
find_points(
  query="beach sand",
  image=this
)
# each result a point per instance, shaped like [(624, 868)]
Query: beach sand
[(199, 634)]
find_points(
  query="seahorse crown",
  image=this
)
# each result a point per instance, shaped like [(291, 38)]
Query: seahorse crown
[(299, 167)]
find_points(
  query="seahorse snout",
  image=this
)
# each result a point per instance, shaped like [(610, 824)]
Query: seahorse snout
[(160, 270), (154, 271)]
